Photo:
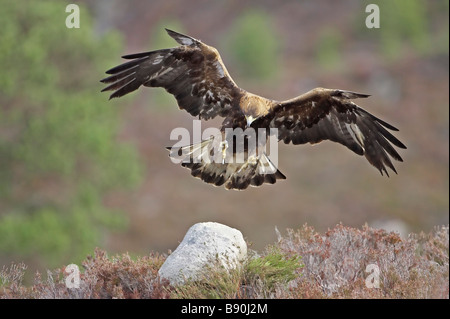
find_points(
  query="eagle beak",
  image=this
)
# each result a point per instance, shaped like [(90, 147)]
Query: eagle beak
[(250, 119)]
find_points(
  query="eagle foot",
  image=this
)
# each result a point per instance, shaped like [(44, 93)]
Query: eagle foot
[(223, 146)]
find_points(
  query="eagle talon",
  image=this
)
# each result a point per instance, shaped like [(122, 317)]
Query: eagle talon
[(223, 146)]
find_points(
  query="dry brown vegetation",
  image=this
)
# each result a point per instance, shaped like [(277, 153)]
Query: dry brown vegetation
[(302, 264)]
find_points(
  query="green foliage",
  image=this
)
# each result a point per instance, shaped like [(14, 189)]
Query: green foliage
[(403, 21), (407, 23), (274, 268), (328, 48), (58, 154), (253, 45)]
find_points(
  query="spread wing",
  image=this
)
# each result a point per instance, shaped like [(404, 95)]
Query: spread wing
[(193, 72), (324, 114)]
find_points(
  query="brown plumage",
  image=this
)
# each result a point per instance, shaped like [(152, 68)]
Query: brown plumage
[(195, 74)]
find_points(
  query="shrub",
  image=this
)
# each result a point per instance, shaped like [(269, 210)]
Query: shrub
[(253, 46), (416, 267)]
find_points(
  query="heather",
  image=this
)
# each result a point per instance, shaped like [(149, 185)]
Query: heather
[(303, 263)]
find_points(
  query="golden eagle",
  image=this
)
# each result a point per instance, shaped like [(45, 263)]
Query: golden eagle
[(195, 74)]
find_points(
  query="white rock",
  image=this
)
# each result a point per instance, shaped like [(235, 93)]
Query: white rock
[(205, 244)]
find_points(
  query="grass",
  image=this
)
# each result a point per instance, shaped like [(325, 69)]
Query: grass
[(274, 268)]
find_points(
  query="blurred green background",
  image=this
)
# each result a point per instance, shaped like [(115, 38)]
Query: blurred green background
[(78, 171)]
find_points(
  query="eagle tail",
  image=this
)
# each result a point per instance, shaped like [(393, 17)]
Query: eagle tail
[(254, 171)]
